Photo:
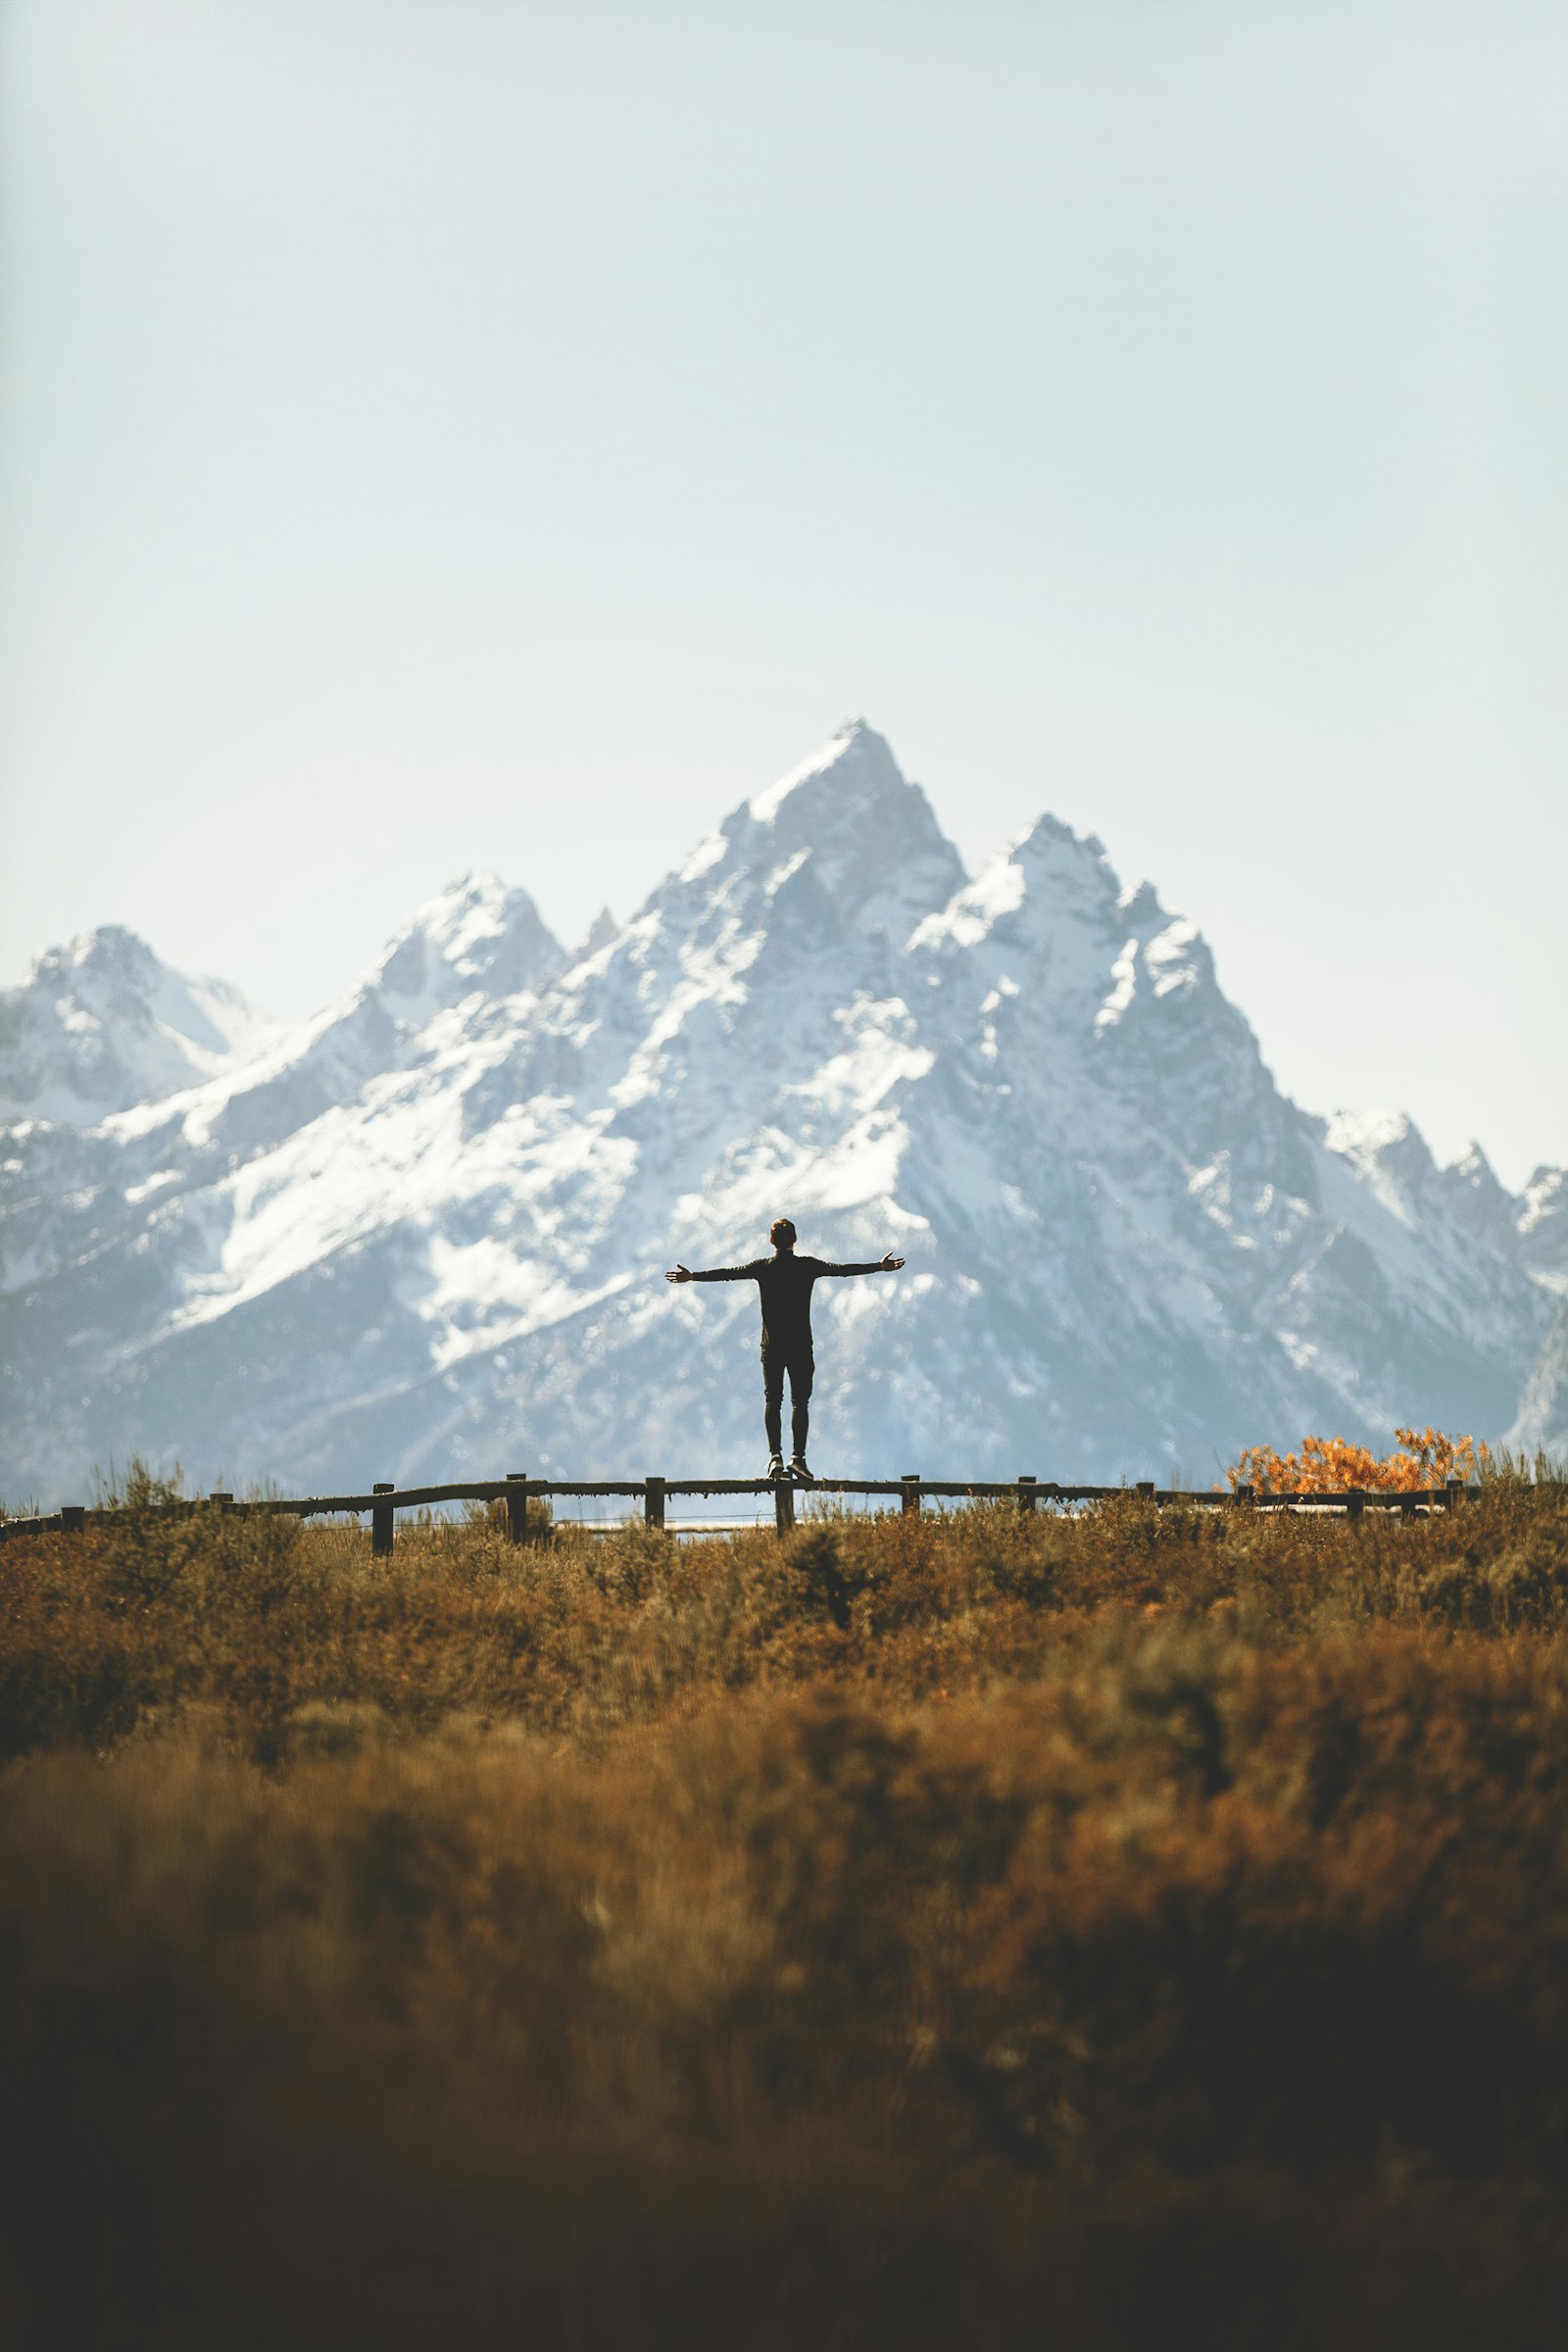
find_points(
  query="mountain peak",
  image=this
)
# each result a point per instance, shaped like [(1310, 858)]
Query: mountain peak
[(112, 952), (1370, 1135), (1047, 873), (1476, 1199), (872, 836), (477, 933), (855, 762), (102, 1023)]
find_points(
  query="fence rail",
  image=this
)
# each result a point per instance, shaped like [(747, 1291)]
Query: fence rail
[(516, 1491)]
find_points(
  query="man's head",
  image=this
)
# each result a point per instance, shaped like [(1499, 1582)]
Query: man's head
[(781, 1233)]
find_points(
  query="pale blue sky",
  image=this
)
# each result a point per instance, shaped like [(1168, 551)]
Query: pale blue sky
[(439, 432)]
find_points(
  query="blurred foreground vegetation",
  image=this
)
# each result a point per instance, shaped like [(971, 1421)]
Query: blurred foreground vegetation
[(1111, 1931)]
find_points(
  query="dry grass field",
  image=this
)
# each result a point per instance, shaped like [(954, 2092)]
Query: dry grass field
[(1117, 1931)]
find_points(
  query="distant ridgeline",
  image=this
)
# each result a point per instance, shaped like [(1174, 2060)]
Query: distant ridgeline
[(423, 1233)]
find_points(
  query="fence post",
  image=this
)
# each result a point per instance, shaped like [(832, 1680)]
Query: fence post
[(221, 1499), (783, 1505), (1453, 1489), (1145, 1489), (1027, 1484), (653, 1504), (909, 1482), (1355, 1503), (72, 1518), (381, 1524), (516, 1510), (1243, 1493)]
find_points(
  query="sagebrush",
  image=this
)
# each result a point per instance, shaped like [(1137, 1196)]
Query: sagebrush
[(1092, 1930)]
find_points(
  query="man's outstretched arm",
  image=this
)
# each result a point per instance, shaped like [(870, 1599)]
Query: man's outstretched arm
[(714, 1274), (874, 1265)]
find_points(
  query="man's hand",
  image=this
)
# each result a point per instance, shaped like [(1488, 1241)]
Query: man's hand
[(890, 1264), (684, 1273)]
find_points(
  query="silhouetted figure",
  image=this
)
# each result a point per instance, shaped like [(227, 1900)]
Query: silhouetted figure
[(785, 1282)]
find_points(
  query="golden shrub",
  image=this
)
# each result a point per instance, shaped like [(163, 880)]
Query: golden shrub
[(1423, 1459)]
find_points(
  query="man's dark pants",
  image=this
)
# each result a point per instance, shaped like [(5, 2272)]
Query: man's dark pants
[(798, 1363)]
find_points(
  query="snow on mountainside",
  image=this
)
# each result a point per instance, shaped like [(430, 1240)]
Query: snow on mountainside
[(1542, 1425), (1542, 1225), (477, 940), (102, 1023), (425, 1232)]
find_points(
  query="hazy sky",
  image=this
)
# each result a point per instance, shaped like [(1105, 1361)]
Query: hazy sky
[(437, 433)]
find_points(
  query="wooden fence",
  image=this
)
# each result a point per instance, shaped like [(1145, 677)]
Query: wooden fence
[(516, 1491)]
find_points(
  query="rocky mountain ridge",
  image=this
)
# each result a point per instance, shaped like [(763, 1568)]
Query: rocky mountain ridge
[(424, 1232), (100, 1024)]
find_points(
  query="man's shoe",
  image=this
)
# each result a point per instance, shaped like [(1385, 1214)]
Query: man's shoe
[(800, 1471), (775, 1467)]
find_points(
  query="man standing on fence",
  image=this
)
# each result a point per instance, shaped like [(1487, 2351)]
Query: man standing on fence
[(785, 1282)]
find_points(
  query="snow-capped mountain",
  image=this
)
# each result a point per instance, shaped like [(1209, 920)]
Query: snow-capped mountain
[(425, 1233), (102, 1023)]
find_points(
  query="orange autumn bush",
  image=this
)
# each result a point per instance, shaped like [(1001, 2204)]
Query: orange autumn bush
[(1424, 1458)]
